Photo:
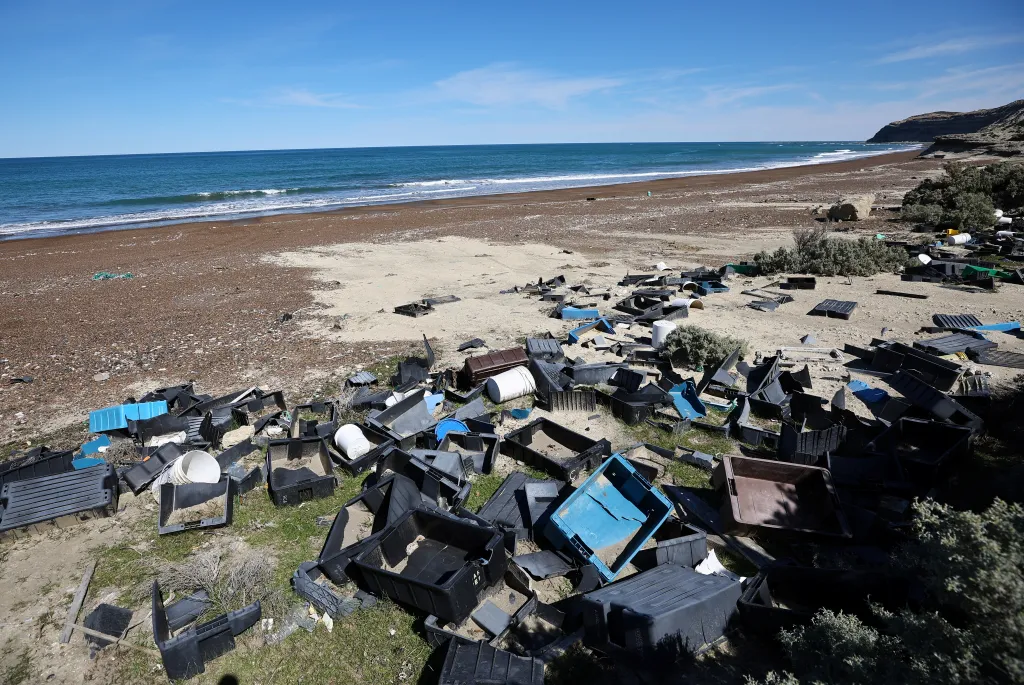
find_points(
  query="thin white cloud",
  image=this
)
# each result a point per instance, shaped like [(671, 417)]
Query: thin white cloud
[(716, 96), (300, 97), (506, 85), (947, 47)]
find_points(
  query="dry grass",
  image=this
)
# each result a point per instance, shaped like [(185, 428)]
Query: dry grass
[(233, 578)]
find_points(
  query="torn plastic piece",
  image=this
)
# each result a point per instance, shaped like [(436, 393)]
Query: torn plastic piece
[(955, 342), (507, 510), (1004, 327), (594, 374), (319, 595), (142, 474), (187, 609), (687, 403), (436, 485), (481, 448), (923, 447), (403, 420), (481, 664), (360, 379), (59, 500), (573, 313), (956, 321), (922, 395), (613, 505), (865, 393), (434, 563), (695, 458), (544, 564), (176, 498), (763, 305), (323, 426), (667, 604), (711, 566), (117, 418), (298, 471), (441, 299), (185, 655), (834, 309), (897, 293), (471, 344), (570, 452), (778, 495)]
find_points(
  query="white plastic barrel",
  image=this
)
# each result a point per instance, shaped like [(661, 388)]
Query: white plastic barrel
[(660, 331), (511, 384), (999, 214), (958, 239), (351, 441)]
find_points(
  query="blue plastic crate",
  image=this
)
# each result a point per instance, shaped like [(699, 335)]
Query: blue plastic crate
[(614, 505), (575, 313), (116, 418), (601, 325)]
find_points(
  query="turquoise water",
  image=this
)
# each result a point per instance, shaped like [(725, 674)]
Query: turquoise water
[(56, 195)]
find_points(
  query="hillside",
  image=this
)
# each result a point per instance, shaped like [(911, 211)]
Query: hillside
[(999, 130)]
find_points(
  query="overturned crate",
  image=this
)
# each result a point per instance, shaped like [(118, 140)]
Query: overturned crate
[(554, 449)]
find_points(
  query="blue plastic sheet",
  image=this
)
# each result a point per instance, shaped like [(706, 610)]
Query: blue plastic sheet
[(687, 403), (865, 393)]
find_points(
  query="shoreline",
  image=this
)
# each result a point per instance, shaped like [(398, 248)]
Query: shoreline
[(605, 191)]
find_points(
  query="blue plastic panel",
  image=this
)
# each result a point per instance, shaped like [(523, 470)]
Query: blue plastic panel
[(1005, 327), (116, 418), (687, 403), (614, 505), (574, 313), (601, 325)]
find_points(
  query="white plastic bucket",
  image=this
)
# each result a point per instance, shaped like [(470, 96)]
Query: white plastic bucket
[(924, 259), (660, 331), (958, 239), (511, 384), (194, 467), (351, 441), (999, 214)]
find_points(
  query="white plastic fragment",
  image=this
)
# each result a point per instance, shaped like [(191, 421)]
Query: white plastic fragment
[(711, 566)]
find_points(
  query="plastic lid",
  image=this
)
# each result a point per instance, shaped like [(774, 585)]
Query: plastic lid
[(445, 426)]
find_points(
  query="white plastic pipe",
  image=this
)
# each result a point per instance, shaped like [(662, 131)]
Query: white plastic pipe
[(958, 239), (511, 384), (689, 303), (351, 441), (660, 331)]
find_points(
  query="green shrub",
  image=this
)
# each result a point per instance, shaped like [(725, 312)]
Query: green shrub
[(816, 252), (966, 195), (971, 629), (696, 347)]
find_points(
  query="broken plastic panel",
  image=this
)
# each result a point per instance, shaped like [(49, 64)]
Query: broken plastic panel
[(923, 395), (481, 664), (117, 418), (609, 517), (482, 448), (601, 325), (554, 449), (434, 563), (677, 543), (778, 496), (507, 507), (668, 607), (502, 607), (436, 485), (326, 601), (45, 463), (185, 655), (405, 419)]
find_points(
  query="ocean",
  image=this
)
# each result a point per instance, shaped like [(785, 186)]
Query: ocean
[(60, 195)]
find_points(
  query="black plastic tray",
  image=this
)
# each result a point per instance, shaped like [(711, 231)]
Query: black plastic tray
[(434, 563), (481, 664), (60, 500), (142, 474), (586, 453), (316, 428)]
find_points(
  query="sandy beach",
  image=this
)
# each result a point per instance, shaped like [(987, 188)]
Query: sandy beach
[(207, 300)]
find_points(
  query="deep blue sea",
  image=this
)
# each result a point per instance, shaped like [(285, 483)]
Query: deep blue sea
[(42, 196)]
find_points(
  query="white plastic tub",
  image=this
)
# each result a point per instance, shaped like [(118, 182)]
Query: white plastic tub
[(511, 384)]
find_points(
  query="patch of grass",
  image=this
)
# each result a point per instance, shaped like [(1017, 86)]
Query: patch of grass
[(816, 252), (20, 671), (69, 437), (386, 368), (689, 475), (361, 649)]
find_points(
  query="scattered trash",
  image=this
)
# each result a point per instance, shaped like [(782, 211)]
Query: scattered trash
[(106, 276)]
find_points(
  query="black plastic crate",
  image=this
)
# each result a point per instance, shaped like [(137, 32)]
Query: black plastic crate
[(482, 448), (59, 500), (502, 607), (554, 449), (783, 597), (441, 487), (299, 470), (323, 426), (930, 399), (507, 507), (668, 606), (923, 447), (434, 563), (481, 664), (174, 498)]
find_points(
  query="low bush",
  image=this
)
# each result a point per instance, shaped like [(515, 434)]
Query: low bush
[(696, 347), (966, 196), (816, 252)]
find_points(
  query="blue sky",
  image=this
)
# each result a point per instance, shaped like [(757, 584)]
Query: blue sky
[(164, 76)]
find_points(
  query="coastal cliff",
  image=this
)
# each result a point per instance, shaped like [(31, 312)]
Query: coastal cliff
[(998, 131)]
